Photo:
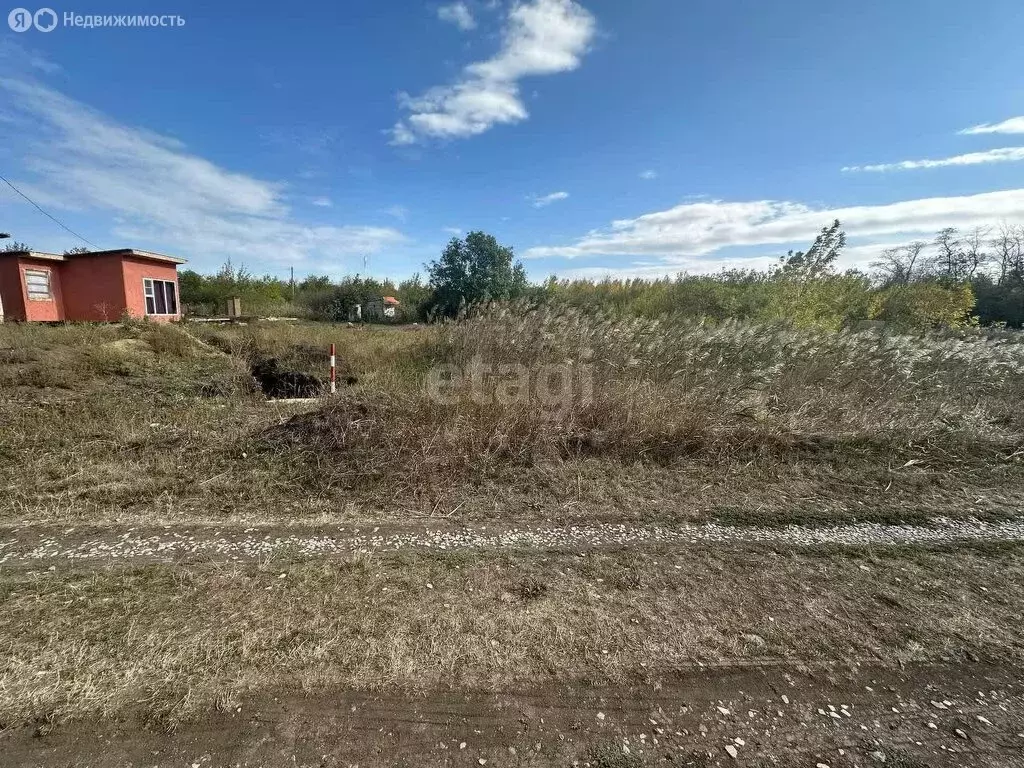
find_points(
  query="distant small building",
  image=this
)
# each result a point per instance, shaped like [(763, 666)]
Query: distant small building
[(375, 310), (386, 308), (98, 286)]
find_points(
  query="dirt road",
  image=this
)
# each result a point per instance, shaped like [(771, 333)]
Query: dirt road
[(963, 715), (778, 711)]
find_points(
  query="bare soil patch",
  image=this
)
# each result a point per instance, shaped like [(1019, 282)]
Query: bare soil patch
[(925, 715)]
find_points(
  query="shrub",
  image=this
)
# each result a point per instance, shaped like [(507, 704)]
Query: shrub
[(168, 340), (923, 305)]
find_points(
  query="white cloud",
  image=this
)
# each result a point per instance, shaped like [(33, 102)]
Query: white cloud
[(466, 109), (158, 194), (15, 56), (648, 175), (457, 14), (452, 231), (400, 133), (541, 37), (399, 212), (322, 202), (1002, 155), (684, 232), (540, 202), (1013, 125), (852, 257)]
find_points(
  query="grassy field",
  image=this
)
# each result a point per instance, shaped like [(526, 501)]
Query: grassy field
[(746, 424), (173, 642), (508, 419)]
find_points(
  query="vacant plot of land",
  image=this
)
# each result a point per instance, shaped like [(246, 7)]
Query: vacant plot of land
[(144, 425), (538, 501)]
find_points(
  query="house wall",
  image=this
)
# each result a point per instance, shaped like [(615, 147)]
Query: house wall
[(95, 288), (91, 288), (11, 290), (38, 310), (137, 270)]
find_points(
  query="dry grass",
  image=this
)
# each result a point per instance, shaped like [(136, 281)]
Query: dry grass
[(755, 425), (141, 424), (791, 381), (641, 399), (380, 356), (170, 642)]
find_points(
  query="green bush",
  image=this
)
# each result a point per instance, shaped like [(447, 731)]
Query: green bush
[(923, 305)]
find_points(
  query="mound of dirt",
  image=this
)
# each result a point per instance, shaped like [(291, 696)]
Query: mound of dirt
[(334, 427), (129, 347)]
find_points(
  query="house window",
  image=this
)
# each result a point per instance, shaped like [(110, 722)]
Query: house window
[(37, 284), (161, 296)]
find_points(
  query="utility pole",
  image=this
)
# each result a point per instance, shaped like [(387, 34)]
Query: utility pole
[(292, 282), (365, 260)]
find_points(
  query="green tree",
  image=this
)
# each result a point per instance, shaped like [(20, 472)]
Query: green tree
[(335, 302), (820, 259), (926, 304), (205, 294), (195, 290), (314, 283), (475, 269), (806, 291), (14, 245), (416, 297)]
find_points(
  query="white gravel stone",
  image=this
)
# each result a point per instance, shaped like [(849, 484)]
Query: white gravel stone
[(169, 545)]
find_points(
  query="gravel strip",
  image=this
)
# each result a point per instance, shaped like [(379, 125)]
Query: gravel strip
[(170, 545)]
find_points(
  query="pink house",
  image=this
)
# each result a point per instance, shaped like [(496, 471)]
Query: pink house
[(99, 286)]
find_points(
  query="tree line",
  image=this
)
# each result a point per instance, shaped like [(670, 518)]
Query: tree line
[(958, 278), (989, 261), (472, 269)]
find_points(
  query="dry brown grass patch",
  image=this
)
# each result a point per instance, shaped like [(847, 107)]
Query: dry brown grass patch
[(170, 642)]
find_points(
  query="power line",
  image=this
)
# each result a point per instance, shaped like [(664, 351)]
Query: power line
[(55, 220)]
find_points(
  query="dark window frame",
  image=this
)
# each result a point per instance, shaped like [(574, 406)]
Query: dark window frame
[(160, 296)]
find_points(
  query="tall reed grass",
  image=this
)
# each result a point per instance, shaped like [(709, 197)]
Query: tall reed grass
[(667, 392)]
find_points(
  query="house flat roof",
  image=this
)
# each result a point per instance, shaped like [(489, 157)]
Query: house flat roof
[(34, 255), (150, 255)]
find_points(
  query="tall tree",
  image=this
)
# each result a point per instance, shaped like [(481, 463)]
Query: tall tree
[(901, 265), (1008, 245), (949, 255), (820, 259), (477, 268), (975, 257)]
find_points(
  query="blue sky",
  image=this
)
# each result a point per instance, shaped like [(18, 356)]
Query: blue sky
[(597, 137)]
